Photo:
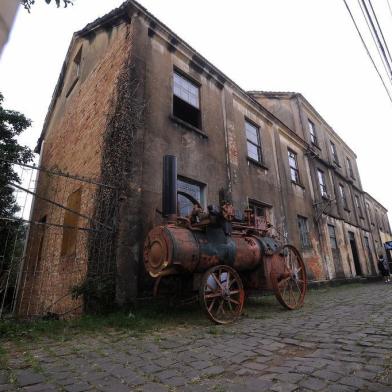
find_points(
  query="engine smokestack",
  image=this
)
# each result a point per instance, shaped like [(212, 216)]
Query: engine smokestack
[(169, 187)]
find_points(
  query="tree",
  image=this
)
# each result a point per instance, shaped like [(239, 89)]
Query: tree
[(12, 124), (12, 231), (28, 3)]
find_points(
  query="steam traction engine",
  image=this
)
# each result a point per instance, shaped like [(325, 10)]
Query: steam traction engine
[(221, 256)]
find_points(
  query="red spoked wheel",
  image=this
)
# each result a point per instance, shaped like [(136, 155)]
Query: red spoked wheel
[(288, 277), (221, 294)]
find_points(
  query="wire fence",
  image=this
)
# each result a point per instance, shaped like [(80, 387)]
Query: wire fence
[(57, 253)]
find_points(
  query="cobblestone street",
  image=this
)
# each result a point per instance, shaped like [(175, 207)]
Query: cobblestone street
[(340, 341)]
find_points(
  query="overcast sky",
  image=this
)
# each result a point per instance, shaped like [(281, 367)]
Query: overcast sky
[(307, 46)]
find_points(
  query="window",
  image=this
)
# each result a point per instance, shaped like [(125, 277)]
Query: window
[(253, 141), (261, 214), (293, 164), (370, 214), (312, 131), (350, 168), (303, 232), (367, 244), (186, 100), (71, 219), (75, 69), (189, 193), (323, 186), (343, 196), (334, 153), (358, 204), (332, 237)]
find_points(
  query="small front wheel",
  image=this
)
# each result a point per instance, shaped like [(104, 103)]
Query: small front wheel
[(221, 294)]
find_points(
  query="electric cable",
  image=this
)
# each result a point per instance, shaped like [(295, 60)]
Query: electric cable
[(375, 37), (381, 45), (367, 50)]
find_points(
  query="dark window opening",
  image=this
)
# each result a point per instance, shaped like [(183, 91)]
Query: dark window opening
[(186, 100), (186, 112)]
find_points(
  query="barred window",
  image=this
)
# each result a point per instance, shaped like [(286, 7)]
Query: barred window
[(304, 232), (293, 164), (253, 141)]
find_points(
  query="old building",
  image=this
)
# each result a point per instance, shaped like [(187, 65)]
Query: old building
[(131, 91)]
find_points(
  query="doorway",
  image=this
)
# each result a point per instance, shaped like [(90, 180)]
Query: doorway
[(354, 250)]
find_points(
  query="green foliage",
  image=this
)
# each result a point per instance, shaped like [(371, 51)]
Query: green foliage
[(12, 124), (28, 3), (97, 291)]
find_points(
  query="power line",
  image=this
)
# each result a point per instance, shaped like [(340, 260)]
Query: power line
[(383, 45), (389, 6), (367, 50), (375, 37), (382, 35)]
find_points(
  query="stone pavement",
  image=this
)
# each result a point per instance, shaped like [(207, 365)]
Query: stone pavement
[(340, 341)]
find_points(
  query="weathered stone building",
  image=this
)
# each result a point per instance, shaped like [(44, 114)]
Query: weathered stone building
[(132, 91)]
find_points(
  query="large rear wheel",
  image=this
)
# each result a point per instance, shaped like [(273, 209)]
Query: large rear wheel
[(288, 277)]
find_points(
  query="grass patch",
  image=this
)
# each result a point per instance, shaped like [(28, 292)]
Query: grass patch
[(147, 319)]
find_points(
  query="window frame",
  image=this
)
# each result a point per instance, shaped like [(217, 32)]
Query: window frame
[(350, 168), (334, 152), (292, 154), (191, 82), (322, 183), (332, 238), (343, 196), (191, 198), (313, 133), (304, 236), (358, 205), (198, 125), (258, 146)]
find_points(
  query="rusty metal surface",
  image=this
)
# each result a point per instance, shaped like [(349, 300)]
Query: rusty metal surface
[(227, 252)]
